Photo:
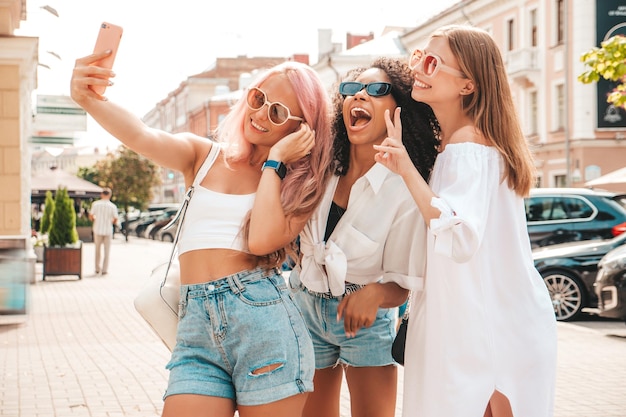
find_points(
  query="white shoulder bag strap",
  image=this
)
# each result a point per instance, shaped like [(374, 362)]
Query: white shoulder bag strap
[(180, 215)]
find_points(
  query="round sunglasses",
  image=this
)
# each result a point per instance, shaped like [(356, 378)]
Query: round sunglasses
[(277, 112), (430, 64), (377, 89)]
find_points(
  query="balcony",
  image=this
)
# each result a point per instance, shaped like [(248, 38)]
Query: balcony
[(522, 65)]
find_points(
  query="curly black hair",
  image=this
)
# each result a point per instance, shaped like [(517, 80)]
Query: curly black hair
[(420, 129)]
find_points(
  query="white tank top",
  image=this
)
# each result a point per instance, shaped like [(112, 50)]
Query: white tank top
[(214, 220)]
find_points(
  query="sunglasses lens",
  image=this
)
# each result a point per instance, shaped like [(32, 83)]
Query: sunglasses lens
[(378, 89), (278, 113), (415, 59), (430, 65), (350, 88), (256, 98)]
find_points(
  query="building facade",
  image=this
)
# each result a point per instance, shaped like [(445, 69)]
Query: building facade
[(574, 134)]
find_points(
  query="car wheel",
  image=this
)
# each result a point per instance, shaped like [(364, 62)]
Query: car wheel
[(567, 294)]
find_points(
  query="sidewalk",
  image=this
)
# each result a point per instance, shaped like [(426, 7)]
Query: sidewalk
[(85, 351)]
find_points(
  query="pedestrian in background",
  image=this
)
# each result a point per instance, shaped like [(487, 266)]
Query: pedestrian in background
[(103, 214), (482, 334), (241, 342)]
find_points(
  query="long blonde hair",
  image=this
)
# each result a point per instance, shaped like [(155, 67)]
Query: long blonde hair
[(491, 106)]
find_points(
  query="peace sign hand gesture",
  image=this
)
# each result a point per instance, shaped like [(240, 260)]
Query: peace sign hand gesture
[(391, 152)]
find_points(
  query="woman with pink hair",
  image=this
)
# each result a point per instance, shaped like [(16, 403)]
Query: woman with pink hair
[(241, 341)]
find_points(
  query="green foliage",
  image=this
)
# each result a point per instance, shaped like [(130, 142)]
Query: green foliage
[(46, 220), (63, 229), (608, 62), (129, 175), (88, 173), (83, 221)]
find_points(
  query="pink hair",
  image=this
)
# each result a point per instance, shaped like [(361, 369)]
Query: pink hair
[(306, 179)]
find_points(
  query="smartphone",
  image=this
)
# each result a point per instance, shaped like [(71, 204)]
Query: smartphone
[(109, 37)]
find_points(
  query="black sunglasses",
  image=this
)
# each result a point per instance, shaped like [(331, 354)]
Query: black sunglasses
[(377, 89)]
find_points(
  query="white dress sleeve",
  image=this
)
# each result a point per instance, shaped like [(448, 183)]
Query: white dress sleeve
[(464, 179)]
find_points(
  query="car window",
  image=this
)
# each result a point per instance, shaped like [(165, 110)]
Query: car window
[(538, 208), (546, 208), (577, 208)]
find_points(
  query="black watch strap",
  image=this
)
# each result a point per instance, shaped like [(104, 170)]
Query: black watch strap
[(277, 166)]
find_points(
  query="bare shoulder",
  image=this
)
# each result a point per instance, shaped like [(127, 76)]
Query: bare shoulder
[(201, 148)]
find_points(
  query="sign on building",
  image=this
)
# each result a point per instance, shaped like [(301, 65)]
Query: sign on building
[(610, 21), (56, 120)]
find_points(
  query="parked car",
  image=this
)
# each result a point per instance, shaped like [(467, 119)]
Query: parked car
[(559, 215), (610, 285), (166, 235), (161, 221), (569, 271), (152, 217)]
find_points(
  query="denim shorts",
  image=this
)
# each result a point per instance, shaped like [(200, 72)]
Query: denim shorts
[(370, 347), (230, 330)]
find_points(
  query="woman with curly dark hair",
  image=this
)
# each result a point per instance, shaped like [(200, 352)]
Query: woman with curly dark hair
[(364, 247)]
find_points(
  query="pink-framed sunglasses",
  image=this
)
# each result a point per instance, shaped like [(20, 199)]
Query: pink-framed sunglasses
[(277, 112), (430, 64)]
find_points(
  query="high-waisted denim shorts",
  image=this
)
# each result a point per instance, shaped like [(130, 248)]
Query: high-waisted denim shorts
[(241, 337), (370, 347)]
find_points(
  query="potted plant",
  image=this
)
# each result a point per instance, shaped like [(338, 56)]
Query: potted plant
[(41, 238), (63, 253), (39, 241), (84, 227)]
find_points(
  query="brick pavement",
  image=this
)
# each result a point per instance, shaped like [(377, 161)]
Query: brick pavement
[(84, 351)]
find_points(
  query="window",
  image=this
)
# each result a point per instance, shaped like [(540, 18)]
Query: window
[(534, 123), (540, 209), (560, 181), (559, 122), (533, 27), (510, 27), (560, 22)]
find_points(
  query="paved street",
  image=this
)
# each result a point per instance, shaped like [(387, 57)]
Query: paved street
[(85, 351)]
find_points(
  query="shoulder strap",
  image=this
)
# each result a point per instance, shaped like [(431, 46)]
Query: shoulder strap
[(180, 215), (208, 162)]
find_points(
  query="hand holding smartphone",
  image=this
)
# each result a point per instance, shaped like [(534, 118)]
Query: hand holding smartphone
[(109, 38)]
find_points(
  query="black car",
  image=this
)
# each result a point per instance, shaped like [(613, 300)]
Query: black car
[(610, 285), (569, 271), (559, 215)]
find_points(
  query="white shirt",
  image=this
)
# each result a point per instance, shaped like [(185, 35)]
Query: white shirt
[(380, 237), (104, 212), (484, 320)]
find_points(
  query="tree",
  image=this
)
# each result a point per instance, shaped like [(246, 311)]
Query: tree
[(130, 176), (63, 228), (48, 211), (608, 62), (88, 173)]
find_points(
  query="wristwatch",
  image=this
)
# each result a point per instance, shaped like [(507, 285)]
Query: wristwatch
[(277, 166)]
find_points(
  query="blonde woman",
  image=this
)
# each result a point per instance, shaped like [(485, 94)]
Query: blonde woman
[(482, 335)]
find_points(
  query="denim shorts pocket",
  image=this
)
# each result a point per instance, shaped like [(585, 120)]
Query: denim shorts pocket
[(262, 293)]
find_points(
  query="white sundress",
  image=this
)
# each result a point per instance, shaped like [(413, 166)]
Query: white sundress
[(485, 320)]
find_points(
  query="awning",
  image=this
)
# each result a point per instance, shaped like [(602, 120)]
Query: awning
[(55, 178), (615, 177)]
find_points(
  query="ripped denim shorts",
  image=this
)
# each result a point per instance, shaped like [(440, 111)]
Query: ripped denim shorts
[(241, 337)]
